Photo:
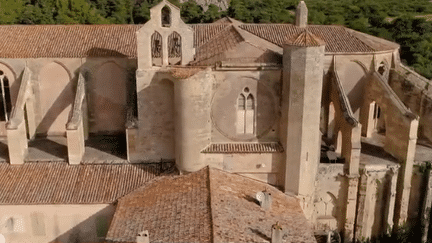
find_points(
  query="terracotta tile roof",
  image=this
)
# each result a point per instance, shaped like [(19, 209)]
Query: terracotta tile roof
[(206, 206), (204, 32), (224, 20), (60, 183), (243, 148), (78, 41), (175, 209), (213, 50), (237, 217), (305, 38), (336, 38), (35, 41)]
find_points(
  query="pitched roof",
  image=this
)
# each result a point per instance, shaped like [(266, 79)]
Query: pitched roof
[(206, 206), (337, 38), (204, 32), (78, 41), (172, 210), (305, 38), (60, 183), (68, 41), (214, 48)]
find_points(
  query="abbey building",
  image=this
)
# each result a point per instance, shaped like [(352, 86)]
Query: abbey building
[(93, 115)]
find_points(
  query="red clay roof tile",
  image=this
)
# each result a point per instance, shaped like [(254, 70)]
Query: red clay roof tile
[(59, 183), (78, 41), (206, 206), (336, 38)]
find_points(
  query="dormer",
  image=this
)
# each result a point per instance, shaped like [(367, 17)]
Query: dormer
[(165, 40)]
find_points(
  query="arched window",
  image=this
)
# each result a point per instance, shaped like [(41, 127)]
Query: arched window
[(382, 69), (250, 114), (166, 16), (156, 49), (6, 104), (245, 112), (174, 48)]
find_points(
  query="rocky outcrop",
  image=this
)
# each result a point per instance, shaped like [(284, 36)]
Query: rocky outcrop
[(222, 4)]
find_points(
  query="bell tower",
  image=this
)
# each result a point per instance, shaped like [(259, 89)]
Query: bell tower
[(165, 39)]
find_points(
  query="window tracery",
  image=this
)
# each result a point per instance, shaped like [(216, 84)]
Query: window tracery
[(245, 112)]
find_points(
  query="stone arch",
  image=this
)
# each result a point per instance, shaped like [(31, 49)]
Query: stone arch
[(174, 48), (354, 79), (156, 49), (383, 68), (376, 119), (107, 98), (56, 96), (166, 18)]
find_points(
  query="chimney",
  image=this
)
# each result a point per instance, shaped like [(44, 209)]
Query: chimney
[(143, 237), (276, 233), (265, 200), (301, 15)]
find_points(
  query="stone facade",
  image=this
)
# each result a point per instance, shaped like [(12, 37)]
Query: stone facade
[(272, 102)]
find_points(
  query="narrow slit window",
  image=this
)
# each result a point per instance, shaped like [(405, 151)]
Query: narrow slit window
[(250, 115), (6, 104), (241, 105), (166, 16)]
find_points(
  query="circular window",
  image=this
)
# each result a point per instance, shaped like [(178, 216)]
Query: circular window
[(246, 90)]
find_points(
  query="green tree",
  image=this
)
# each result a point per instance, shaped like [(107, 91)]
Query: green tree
[(77, 12), (11, 11), (191, 12), (213, 13)]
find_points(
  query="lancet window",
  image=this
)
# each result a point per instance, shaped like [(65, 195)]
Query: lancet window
[(6, 104), (245, 112), (174, 48), (156, 48), (166, 16)]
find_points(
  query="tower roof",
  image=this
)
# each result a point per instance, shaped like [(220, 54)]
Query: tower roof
[(304, 38)]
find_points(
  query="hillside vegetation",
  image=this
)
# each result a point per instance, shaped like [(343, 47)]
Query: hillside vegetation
[(396, 20)]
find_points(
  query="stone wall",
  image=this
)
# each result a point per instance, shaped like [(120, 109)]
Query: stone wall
[(330, 197), (54, 86), (416, 93), (376, 200), (55, 223)]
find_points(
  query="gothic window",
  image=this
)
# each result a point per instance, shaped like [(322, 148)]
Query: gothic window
[(245, 112), (174, 48), (250, 114), (166, 16), (5, 100), (156, 49)]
